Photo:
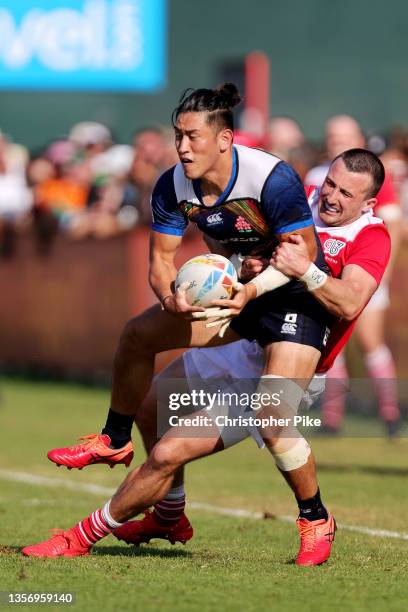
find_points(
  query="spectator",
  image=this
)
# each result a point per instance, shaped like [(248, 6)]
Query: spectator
[(112, 201), (90, 137), (342, 133), (15, 157), (285, 135), (302, 159), (15, 197), (395, 160), (151, 156)]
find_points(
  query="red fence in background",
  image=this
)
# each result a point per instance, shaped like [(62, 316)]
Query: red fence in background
[(64, 311)]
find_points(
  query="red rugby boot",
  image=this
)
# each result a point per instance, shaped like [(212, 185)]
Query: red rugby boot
[(94, 449), (61, 544), (144, 530), (316, 538)]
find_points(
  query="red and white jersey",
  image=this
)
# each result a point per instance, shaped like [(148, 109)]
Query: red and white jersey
[(365, 243)]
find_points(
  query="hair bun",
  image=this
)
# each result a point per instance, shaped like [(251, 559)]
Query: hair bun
[(229, 95)]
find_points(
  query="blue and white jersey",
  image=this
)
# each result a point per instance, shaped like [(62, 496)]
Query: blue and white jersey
[(263, 198)]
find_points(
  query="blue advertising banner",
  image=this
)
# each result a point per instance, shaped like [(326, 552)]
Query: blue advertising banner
[(110, 45)]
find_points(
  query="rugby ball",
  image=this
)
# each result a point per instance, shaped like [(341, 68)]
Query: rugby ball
[(209, 277)]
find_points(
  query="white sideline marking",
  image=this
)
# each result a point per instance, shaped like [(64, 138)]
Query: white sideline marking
[(35, 480), (286, 518), (96, 489)]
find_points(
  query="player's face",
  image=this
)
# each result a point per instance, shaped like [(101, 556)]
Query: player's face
[(343, 197), (199, 145)]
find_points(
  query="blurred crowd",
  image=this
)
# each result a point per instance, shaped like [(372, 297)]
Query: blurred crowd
[(88, 185), (84, 185)]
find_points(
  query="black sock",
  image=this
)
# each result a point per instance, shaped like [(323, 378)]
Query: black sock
[(312, 509), (119, 428)]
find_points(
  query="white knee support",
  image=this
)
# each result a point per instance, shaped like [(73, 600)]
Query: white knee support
[(293, 458)]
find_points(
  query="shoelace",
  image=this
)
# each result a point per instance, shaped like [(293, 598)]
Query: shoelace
[(308, 537), (93, 440)]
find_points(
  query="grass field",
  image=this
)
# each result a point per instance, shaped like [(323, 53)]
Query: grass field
[(231, 563)]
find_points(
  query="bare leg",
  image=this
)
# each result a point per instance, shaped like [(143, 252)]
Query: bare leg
[(303, 481), (150, 482), (142, 488), (152, 332), (146, 414), (296, 362)]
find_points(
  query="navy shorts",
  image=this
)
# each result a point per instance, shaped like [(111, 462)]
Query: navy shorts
[(287, 314)]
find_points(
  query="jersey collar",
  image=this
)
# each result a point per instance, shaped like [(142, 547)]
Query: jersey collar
[(224, 195)]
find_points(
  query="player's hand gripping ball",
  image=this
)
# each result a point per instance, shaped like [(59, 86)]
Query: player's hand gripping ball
[(206, 278)]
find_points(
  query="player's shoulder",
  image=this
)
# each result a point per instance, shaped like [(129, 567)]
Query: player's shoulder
[(164, 194), (256, 162), (368, 232), (368, 225), (273, 174), (255, 168), (369, 222), (165, 179), (164, 188), (374, 231)]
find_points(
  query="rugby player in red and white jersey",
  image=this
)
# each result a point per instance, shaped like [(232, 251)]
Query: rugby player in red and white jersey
[(370, 336), (357, 247), (343, 132)]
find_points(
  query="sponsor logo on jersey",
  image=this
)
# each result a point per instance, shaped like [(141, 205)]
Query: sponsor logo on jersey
[(240, 239), (290, 324), (242, 225), (332, 246), (214, 219)]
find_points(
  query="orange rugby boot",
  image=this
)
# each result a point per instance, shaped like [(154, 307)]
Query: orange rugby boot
[(94, 449), (144, 530), (61, 544), (316, 538)]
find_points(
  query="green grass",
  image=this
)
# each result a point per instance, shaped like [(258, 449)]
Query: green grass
[(231, 564)]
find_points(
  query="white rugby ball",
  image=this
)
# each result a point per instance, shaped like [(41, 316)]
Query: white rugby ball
[(209, 277)]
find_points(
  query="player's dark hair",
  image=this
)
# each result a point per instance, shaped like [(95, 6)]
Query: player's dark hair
[(364, 161), (217, 103)]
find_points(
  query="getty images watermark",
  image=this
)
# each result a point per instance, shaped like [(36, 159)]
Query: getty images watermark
[(204, 408), (249, 403)]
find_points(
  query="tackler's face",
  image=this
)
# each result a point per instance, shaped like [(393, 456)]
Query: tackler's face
[(199, 144), (344, 195)]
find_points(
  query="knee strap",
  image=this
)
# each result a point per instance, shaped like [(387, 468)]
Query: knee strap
[(293, 458)]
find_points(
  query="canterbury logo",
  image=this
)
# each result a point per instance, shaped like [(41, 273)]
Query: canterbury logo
[(332, 246), (214, 218)]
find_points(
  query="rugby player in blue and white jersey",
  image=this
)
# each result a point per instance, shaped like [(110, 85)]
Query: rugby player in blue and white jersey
[(250, 201)]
